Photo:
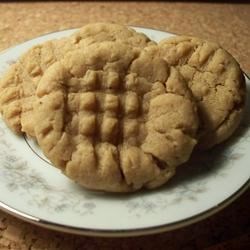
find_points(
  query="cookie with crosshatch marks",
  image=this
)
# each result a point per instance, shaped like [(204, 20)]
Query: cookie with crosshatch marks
[(216, 81), (18, 85), (114, 117)]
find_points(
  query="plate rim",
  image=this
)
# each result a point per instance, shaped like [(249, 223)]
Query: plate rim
[(126, 232), (120, 232)]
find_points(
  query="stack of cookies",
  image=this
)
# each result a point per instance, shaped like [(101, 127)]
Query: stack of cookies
[(117, 112)]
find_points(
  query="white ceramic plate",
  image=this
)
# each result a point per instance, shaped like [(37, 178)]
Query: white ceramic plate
[(34, 191)]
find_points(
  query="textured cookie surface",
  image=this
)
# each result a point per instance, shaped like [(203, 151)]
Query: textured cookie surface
[(99, 32), (115, 118), (18, 85), (216, 81)]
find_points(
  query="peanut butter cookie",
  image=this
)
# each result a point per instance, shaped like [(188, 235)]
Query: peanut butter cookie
[(114, 117), (216, 81), (18, 86)]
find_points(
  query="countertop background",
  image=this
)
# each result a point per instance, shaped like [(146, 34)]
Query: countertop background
[(226, 23)]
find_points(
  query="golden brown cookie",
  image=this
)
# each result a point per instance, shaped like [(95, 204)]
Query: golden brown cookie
[(216, 81), (18, 86), (114, 117), (99, 32)]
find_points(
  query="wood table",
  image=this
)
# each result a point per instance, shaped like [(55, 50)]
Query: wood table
[(225, 23)]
